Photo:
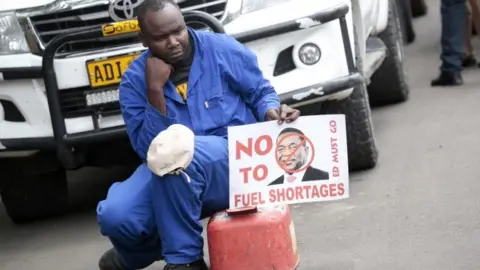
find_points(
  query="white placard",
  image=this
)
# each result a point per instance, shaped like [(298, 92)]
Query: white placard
[(301, 162)]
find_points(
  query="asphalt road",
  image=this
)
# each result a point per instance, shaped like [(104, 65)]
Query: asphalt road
[(419, 209)]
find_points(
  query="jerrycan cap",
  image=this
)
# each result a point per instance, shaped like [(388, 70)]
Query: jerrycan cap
[(242, 211)]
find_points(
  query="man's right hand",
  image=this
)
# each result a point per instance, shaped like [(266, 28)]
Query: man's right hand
[(157, 73)]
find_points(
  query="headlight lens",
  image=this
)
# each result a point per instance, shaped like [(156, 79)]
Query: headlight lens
[(254, 5), (12, 38)]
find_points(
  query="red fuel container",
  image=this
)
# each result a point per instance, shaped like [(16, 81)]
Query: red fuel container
[(252, 239)]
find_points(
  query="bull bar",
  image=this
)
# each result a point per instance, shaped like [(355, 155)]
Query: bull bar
[(64, 143)]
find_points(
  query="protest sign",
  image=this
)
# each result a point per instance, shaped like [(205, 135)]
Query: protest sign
[(301, 162)]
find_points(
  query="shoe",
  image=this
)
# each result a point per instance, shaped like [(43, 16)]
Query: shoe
[(198, 265), (469, 61), (448, 79), (111, 260)]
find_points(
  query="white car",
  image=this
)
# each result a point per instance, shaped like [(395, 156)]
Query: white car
[(60, 65)]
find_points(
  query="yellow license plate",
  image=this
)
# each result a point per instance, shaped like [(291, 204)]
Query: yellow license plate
[(108, 71)]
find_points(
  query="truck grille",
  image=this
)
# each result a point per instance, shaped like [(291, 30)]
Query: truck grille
[(48, 26)]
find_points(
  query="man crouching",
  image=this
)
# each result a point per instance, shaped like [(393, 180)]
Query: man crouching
[(187, 88)]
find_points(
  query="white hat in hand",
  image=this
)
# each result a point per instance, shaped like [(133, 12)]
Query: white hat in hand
[(171, 150)]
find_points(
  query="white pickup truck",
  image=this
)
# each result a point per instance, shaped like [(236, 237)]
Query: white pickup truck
[(61, 61)]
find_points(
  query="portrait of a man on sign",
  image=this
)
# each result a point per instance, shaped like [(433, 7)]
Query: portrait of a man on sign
[(294, 153)]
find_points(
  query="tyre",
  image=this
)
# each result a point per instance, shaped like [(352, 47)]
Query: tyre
[(405, 11), (419, 8), (388, 84), (362, 148), (28, 197)]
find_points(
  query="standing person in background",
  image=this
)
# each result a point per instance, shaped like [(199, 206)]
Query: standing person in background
[(454, 14), (473, 16)]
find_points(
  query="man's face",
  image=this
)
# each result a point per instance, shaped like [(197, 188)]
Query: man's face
[(292, 151), (164, 32)]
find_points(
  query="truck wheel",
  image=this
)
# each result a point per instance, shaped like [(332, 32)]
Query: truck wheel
[(362, 149), (28, 197), (388, 84), (419, 8), (405, 11)]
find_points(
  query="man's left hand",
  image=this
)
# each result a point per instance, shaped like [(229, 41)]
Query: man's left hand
[(282, 114)]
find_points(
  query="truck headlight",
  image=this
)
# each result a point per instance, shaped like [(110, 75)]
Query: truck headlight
[(12, 38), (254, 5)]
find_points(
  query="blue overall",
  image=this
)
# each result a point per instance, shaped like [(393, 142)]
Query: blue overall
[(147, 217)]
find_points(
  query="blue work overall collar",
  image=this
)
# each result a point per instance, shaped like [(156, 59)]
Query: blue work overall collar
[(196, 70)]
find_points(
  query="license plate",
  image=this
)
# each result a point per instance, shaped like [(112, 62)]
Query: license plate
[(108, 71)]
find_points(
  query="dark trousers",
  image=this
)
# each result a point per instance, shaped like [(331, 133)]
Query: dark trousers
[(454, 14)]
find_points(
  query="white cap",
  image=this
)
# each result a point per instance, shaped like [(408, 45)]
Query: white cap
[(172, 149)]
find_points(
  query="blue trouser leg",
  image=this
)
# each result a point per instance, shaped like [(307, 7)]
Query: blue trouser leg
[(179, 205), (144, 206), (454, 14), (126, 217)]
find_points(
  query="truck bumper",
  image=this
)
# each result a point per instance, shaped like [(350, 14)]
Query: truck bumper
[(313, 92), (318, 91), (64, 143)]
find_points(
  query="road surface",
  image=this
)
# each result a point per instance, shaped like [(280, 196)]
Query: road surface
[(419, 209)]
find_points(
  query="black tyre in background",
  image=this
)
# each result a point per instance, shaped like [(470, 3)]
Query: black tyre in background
[(406, 24), (419, 8)]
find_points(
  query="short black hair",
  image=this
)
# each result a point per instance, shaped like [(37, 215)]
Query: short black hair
[(291, 130), (152, 6)]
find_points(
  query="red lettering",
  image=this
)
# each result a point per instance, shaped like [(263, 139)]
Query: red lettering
[(268, 145), (315, 192), (248, 149), (257, 198), (334, 149), (260, 172), (333, 126), (271, 196), (335, 171), (341, 189), (237, 199), (256, 173), (303, 193), (324, 190), (299, 193), (245, 174), (333, 190), (249, 199), (281, 195), (308, 189), (290, 194), (243, 148)]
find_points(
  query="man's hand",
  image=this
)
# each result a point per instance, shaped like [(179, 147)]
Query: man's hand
[(282, 114), (157, 73)]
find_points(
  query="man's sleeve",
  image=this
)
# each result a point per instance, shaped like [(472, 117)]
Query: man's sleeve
[(246, 77), (143, 121)]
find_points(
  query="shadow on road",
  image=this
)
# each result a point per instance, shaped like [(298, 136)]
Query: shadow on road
[(87, 187)]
